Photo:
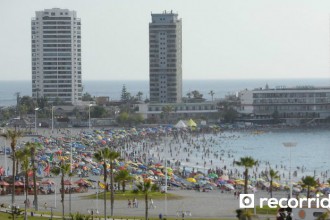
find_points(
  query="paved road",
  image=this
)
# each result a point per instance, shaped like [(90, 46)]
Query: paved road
[(201, 204)]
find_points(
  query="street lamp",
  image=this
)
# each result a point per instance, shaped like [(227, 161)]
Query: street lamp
[(52, 118), (35, 119), (89, 115), (290, 145)]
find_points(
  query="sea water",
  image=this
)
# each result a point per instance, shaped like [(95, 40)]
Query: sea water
[(113, 89), (310, 153)]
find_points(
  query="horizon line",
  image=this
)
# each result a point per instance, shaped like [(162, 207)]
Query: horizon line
[(209, 79)]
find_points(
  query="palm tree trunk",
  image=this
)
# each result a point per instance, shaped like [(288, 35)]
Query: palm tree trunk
[(62, 194), (34, 183), (246, 181), (13, 186), (111, 188), (146, 201), (307, 192), (105, 190), (26, 193), (271, 188)]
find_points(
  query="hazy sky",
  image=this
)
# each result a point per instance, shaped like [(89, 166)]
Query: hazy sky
[(222, 39)]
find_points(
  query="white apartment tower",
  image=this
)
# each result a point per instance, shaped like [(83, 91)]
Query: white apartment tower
[(56, 55), (165, 58)]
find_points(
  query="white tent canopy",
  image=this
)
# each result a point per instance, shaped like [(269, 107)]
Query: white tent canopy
[(180, 124)]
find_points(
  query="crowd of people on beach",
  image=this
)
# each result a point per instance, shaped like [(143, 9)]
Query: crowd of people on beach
[(154, 152)]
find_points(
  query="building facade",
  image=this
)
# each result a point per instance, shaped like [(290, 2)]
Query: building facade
[(304, 104), (56, 55), (165, 58), (203, 110)]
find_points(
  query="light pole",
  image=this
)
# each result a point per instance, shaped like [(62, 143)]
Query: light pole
[(35, 119), (89, 116), (290, 145), (52, 118)]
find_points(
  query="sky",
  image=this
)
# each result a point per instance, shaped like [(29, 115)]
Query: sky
[(221, 39)]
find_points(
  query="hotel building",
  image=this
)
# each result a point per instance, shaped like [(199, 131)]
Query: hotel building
[(165, 58), (56, 55)]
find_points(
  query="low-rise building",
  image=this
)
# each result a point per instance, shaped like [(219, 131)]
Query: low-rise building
[(175, 111), (297, 104)]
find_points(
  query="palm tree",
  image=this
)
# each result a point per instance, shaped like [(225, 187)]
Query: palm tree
[(103, 156), (167, 109), (308, 182), (122, 177), (247, 162), (114, 155), (212, 94), (272, 175), (145, 188), (13, 136), (25, 166), (63, 169), (19, 157), (32, 147), (139, 95)]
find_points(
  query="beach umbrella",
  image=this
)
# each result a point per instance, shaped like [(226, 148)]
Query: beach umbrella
[(81, 181), (67, 183), (31, 183), (3, 183), (224, 177), (191, 180), (231, 181), (18, 183), (213, 175), (229, 186), (222, 182), (47, 182)]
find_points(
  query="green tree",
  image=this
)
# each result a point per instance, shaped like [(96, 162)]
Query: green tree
[(13, 136), (166, 111), (123, 117), (145, 188), (112, 157), (98, 112), (212, 94), (308, 182), (64, 169), (102, 156), (87, 97), (122, 177), (26, 168), (139, 96), (247, 162), (272, 176), (32, 148), (124, 94)]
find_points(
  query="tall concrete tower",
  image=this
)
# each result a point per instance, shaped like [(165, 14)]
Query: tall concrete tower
[(56, 55), (165, 58)]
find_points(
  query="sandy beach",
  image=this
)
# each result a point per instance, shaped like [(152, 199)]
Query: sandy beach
[(193, 152)]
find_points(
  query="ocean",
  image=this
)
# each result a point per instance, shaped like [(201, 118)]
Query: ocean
[(112, 88)]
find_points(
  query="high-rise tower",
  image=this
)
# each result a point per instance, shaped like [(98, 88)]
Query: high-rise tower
[(56, 55), (165, 58)]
